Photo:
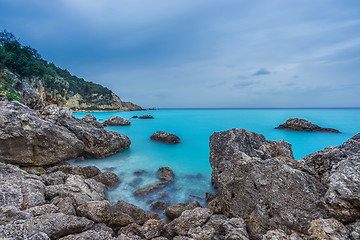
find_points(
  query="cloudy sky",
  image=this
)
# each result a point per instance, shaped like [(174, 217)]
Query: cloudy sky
[(201, 53)]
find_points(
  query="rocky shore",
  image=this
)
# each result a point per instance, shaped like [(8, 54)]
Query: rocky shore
[(262, 192)]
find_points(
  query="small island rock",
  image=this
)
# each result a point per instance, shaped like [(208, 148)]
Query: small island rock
[(146, 117), (298, 124), (116, 121), (165, 137), (166, 174)]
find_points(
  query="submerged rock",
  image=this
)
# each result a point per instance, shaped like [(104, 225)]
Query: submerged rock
[(257, 180), (148, 189), (165, 137), (116, 121), (109, 179), (298, 124), (166, 174)]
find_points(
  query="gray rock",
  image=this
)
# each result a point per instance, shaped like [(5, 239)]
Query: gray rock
[(98, 211), (116, 121), (328, 229), (89, 118), (166, 174), (90, 171), (109, 179), (152, 228), (123, 214), (148, 189), (298, 124), (9, 214), (28, 140), (90, 235), (158, 205), (54, 225), (174, 211), (65, 205), (146, 117), (99, 143), (42, 210), (279, 234), (354, 229), (257, 181), (165, 137)]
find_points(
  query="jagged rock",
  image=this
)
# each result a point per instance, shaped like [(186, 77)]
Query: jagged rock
[(116, 121), (158, 205), (54, 225), (79, 189), (124, 237), (146, 117), (216, 205), (354, 229), (130, 230), (298, 124), (67, 169), (103, 227), (54, 178), (99, 143), (98, 211), (279, 234), (28, 140), (9, 214), (90, 171), (209, 196), (107, 178), (41, 210), (328, 229), (338, 168), (257, 181), (34, 170), (123, 214), (152, 228), (148, 189), (165, 137), (89, 118), (153, 215), (174, 211), (65, 205), (188, 220), (90, 235), (183, 238), (166, 174)]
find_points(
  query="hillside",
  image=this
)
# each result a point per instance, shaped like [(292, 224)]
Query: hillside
[(26, 77)]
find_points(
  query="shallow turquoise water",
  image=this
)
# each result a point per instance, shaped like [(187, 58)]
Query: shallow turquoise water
[(190, 158)]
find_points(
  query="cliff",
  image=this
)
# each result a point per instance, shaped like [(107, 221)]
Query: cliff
[(26, 77)]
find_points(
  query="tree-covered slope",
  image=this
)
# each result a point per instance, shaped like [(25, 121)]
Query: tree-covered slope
[(26, 77)]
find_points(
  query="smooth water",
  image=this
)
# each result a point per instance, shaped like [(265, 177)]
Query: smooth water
[(190, 158)]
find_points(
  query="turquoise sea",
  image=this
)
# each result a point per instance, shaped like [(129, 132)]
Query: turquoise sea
[(190, 158)]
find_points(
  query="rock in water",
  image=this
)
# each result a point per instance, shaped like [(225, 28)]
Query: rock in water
[(165, 137), (116, 121), (28, 140), (166, 174), (146, 117), (298, 124), (257, 180), (99, 143)]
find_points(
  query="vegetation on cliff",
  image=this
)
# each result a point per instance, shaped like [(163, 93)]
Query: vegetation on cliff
[(58, 85)]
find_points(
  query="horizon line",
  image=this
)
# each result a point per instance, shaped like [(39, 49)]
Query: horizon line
[(267, 108)]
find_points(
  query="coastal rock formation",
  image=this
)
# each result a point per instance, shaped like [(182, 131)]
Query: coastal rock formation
[(28, 140), (298, 124), (258, 181), (174, 211), (146, 117), (116, 121), (99, 143), (166, 174), (98, 211), (123, 214), (165, 137)]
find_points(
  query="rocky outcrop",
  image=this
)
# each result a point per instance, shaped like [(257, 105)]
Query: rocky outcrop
[(298, 124), (165, 137), (28, 140), (146, 117), (116, 121), (258, 181), (98, 142)]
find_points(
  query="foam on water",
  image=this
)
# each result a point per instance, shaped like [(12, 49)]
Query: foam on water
[(190, 159)]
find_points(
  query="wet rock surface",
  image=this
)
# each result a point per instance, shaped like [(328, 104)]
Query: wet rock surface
[(166, 174), (116, 121), (298, 124), (165, 137)]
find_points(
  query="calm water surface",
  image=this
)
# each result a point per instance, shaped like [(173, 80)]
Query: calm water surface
[(190, 158)]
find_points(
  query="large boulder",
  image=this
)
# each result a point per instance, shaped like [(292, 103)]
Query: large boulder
[(98, 211), (298, 124), (165, 137), (123, 214), (54, 225), (28, 140), (257, 180), (99, 143), (116, 121), (338, 168)]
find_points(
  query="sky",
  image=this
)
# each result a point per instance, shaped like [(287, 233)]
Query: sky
[(201, 53)]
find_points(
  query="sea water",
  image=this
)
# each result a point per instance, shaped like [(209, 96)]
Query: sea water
[(190, 159)]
